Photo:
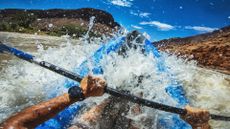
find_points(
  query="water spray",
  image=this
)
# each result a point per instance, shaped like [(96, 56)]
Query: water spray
[(30, 58)]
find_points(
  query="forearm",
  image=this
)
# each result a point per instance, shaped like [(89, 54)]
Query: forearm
[(35, 115)]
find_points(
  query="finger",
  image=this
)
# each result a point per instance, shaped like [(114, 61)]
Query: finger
[(90, 82), (90, 79), (99, 79), (206, 116), (102, 82), (187, 107)]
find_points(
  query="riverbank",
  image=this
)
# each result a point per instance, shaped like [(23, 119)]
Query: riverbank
[(210, 50)]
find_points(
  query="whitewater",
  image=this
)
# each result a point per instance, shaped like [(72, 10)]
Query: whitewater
[(23, 84)]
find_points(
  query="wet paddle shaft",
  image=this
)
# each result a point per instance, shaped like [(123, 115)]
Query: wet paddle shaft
[(30, 58)]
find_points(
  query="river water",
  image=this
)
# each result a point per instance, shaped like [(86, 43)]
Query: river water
[(23, 84)]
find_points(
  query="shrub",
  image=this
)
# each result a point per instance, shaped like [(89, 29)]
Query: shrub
[(71, 30), (4, 26), (24, 19), (14, 27)]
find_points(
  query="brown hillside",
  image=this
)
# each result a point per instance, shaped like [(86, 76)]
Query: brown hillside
[(211, 50), (57, 21)]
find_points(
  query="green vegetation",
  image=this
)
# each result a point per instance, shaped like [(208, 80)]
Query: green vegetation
[(24, 20), (70, 29), (18, 23), (55, 22), (24, 23), (4, 26)]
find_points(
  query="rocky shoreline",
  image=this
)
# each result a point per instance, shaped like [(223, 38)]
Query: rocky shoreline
[(210, 50)]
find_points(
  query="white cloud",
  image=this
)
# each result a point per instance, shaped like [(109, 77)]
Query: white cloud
[(136, 27), (147, 36), (228, 17), (159, 25), (133, 13), (123, 3), (144, 14), (140, 14), (201, 28)]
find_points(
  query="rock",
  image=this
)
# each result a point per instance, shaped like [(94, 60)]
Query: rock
[(210, 50)]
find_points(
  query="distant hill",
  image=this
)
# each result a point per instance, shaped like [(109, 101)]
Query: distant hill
[(57, 21), (211, 50)]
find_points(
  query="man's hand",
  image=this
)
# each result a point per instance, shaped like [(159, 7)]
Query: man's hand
[(196, 117), (92, 86)]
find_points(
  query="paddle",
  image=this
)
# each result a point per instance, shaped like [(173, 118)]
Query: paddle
[(30, 58)]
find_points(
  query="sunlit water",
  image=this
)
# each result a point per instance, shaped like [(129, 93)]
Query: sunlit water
[(24, 84)]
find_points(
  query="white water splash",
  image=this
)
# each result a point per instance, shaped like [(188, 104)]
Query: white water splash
[(199, 84), (90, 26), (24, 84), (204, 88)]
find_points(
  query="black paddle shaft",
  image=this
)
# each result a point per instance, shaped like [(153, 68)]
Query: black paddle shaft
[(60, 70), (112, 91), (145, 102), (123, 95), (27, 57)]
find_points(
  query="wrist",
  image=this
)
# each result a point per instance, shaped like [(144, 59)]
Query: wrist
[(76, 93)]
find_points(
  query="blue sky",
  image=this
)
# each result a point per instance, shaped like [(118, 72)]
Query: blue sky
[(159, 19)]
